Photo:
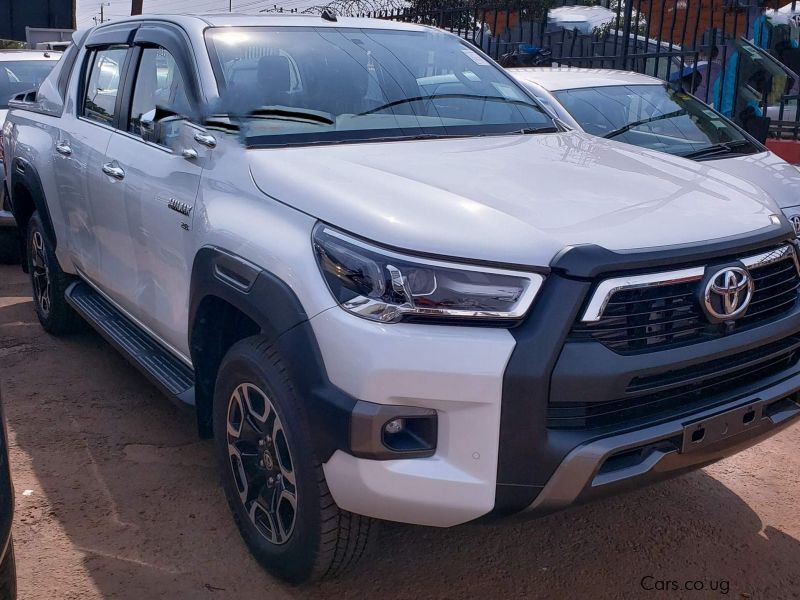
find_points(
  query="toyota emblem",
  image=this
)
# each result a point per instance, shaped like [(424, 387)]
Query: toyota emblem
[(728, 293), (795, 221)]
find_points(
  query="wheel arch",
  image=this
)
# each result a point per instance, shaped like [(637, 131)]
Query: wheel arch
[(231, 299), (27, 196)]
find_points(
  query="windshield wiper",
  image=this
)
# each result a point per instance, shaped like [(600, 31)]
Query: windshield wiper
[(716, 149), (629, 126), (287, 112), (438, 96), (529, 130)]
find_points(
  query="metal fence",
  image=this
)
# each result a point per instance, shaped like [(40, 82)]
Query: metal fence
[(739, 56)]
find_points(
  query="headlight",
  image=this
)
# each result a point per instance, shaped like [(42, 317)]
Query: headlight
[(385, 286)]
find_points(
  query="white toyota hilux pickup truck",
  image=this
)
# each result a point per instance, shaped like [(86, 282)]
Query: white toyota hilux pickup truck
[(392, 295)]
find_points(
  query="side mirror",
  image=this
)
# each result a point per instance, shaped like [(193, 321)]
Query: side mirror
[(147, 126), (160, 126)]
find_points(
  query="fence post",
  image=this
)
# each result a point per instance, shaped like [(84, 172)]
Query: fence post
[(626, 32)]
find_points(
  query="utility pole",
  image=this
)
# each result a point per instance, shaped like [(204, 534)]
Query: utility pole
[(102, 8), (136, 7)]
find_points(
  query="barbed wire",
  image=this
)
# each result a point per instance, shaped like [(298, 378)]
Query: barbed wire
[(347, 8)]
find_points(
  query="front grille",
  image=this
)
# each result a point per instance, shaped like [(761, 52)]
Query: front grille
[(679, 391), (663, 316)]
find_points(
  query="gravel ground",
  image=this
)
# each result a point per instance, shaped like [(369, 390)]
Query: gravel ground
[(117, 498)]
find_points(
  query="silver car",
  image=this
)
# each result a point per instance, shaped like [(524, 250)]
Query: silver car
[(20, 70), (647, 112)]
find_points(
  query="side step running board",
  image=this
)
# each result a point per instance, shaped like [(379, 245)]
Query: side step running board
[(159, 365)]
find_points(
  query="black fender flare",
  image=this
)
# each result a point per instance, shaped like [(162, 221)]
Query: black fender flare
[(23, 173), (274, 307)]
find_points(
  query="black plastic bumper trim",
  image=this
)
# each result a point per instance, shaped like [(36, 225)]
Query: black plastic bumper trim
[(589, 260)]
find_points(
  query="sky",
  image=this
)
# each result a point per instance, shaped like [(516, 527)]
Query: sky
[(116, 9)]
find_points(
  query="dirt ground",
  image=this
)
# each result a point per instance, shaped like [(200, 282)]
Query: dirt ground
[(117, 498)]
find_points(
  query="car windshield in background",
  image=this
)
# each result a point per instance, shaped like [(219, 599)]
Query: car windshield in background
[(304, 86), (20, 76), (655, 117)]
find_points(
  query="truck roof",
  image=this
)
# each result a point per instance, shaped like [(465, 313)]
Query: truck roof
[(191, 22)]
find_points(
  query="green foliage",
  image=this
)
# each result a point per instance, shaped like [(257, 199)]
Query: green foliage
[(11, 45)]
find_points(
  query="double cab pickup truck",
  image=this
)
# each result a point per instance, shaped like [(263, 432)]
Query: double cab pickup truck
[(388, 283)]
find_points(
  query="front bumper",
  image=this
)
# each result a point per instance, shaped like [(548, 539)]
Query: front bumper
[(497, 453), (632, 459), (456, 371)]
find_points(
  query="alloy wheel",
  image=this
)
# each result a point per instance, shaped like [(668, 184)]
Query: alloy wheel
[(261, 463), (40, 274)]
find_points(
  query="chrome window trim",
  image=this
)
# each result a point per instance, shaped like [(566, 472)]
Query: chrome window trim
[(608, 287)]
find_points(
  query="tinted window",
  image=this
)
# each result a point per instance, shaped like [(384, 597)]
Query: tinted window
[(102, 84), (21, 76), (158, 83), (301, 85), (651, 116)]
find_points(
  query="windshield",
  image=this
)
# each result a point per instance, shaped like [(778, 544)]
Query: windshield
[(20, 76), (306, 85), (652, 116)]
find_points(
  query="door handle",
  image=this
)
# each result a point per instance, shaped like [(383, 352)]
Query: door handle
[(208, 140), (114, 171), (63, 148), (189, 153)]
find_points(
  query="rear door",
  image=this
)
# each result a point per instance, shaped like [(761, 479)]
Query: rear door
[(79, 151), (155, 169)]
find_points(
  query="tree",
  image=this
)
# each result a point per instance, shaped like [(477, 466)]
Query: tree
[(136, 7)]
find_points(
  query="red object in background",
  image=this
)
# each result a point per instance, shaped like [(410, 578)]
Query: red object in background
[(788, 150)]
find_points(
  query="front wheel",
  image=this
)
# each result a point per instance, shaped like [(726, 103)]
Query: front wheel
[(273, 482)]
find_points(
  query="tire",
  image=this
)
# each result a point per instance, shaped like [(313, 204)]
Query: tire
[(48, 282), (300, 540), (8, 574), (9, 246)]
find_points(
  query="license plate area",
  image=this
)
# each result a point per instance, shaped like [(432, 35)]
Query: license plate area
[(704, 432)]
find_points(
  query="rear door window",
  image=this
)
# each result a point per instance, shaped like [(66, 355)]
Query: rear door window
[(102, 85)]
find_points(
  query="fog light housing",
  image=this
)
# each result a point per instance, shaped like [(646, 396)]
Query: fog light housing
[(385, 432), (410, 434)]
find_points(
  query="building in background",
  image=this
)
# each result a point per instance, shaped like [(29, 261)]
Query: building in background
[(16, 15)]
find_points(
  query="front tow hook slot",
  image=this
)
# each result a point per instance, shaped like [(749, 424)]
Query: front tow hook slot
[(720, 427), (698, 435)]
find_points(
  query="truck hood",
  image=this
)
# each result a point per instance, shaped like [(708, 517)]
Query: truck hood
[(779, 179), (514, 199)]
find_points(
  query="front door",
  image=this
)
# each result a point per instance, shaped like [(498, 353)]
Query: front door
[(155, 168)]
